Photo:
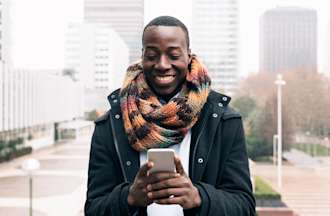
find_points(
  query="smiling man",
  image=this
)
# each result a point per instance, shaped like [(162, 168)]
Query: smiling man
[(166, 57), (166, 102)]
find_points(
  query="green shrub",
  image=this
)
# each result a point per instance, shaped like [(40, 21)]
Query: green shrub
[(2, 144), (5, 154), (258, 147), (24, 150), (9, 153), (264, 191), (312, 149), (30, 136)]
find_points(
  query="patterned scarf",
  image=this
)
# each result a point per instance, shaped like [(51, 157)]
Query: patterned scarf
[(147, 122)]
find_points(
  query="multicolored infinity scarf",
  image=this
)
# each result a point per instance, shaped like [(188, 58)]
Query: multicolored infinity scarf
[(150, 124)]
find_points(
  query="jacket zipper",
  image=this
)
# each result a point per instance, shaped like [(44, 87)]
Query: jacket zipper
[(116, 147)]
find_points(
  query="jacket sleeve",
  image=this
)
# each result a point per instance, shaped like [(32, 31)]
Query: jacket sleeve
[(232, 195), (106, 193)]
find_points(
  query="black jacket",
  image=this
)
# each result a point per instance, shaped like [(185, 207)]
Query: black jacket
[(218, 163)]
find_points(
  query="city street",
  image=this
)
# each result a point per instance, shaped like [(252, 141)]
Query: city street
[(59, 186)]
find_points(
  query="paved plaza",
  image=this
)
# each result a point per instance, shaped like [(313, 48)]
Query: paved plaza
[(60, 184), (59, 187), (306, 190)]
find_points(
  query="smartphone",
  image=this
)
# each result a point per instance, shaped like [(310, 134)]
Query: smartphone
[(163, 160)]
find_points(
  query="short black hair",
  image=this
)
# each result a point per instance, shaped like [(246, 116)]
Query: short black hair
[(167, 21)]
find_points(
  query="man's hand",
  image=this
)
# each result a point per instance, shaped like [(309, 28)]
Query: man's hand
[(179, 189), (137, 195)]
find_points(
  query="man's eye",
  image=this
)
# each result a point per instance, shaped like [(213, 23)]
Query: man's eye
[(175, 56), (151, 57)]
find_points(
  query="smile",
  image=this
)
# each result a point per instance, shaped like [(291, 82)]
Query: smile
[(163, 80)]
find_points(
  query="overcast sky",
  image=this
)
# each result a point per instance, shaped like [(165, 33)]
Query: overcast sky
[(39, 27)]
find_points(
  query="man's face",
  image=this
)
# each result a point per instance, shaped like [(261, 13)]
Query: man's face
[(165, 59)]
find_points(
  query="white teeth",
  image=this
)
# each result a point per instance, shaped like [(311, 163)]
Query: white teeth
[(165, 78)]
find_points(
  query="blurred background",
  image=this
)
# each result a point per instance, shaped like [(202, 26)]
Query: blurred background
[(59, 60)]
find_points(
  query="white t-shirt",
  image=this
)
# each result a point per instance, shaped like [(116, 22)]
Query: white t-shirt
[(182, 150)]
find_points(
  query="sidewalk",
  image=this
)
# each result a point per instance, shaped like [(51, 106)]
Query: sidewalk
[(301, 159), (305, 190), (59, 186)]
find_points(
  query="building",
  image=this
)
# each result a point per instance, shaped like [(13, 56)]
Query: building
[(215, 39), (98, 57), (288, 40), (125, 16), (4, 30), (35, 101), (5, 60), (327, 51), (32, 102)]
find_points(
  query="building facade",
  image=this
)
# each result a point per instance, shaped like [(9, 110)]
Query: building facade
[(288, 40), (32, 102), (35, 100), (99, 58), (125, 16), (5, 31), (215, 39), (327, 52)]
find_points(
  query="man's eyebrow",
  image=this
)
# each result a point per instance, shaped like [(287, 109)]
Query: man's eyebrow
[(169, 48), (174, 48), (151, 47)]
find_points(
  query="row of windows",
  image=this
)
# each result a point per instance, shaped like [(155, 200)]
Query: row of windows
[(101, 65), (101, 87), (101, 57), (102, 49), (101, 79), (101, 72)]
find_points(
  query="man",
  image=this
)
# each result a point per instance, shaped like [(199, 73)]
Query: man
[(166, 102)]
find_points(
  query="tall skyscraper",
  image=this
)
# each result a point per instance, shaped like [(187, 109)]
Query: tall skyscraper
[(124, 16), (215, 40), (31, 102), (5, 62), (288, 40), (327, 51), (4, 30), (98, 56)]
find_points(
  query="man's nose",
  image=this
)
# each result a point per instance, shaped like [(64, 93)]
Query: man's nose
[(163, 63)]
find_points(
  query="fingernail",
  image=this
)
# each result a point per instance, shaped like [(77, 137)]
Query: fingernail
[(149, 195), (177, 174), (149, 187)]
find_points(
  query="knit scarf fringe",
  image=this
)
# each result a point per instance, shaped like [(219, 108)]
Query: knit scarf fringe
[(148, 123)]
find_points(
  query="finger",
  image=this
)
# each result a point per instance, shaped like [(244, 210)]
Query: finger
[(170, 201), (144, 169), (166, 193), (179, 182), (178, 165), (161, 176)]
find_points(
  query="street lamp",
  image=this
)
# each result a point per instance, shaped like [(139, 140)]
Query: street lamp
[(30, 166), (274, 148), (279, 82)]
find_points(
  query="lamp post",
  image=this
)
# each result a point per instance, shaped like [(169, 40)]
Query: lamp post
[(274, 148), (30, 166), (279, 82)]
